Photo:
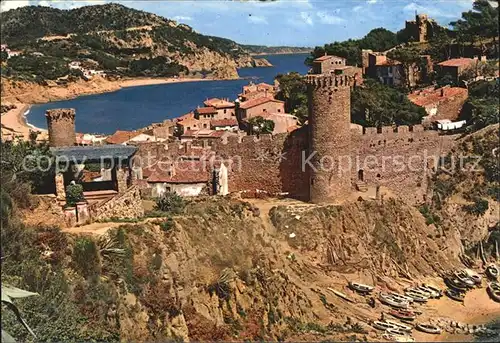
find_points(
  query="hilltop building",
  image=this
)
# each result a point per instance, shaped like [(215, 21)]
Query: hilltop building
[(422, 29)]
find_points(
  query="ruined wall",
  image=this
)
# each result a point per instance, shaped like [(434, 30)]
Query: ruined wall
[(61, 126), (125, 205)]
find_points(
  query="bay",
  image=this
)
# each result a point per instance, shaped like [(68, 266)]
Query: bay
[(135, 107)]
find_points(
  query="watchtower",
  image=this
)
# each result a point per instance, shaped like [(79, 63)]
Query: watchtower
[(61, 125), (329, 137)]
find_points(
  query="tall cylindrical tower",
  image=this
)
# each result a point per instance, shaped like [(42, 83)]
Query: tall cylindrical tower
[(61, 125), (329, 137)]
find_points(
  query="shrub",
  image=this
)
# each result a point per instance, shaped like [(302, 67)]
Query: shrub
[(430, 218), (170, 202), (86, 257), (167, 225), (479, 207), (74, 194)]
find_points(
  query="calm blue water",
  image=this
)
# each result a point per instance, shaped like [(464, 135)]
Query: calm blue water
[(136, 107)]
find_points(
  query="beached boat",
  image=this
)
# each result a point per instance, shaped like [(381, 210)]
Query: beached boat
[(428, 328), (397, 338), (361, 288), (417, 297), (396, 331), (474, 276), (492, 271), (419, 291), (392, 301), (400, 296), (465, 279), (403, 315), (433, 294), (400, 326), (455, 283), (455, 295), (433, 288), (494, 291), (382, 325)]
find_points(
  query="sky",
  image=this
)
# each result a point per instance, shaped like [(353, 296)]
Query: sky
[(283, 22)]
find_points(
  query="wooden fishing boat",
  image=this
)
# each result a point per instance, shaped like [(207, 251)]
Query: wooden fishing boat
[(494, 291), (396, 331), (361, 288), (382, 325), (403, 315), (492, 271), (400, 296), (455, 295), (465, 279), (391, 301), (455, 283), (400, 326), (428, 328), (474, 276), (417, 297), (420, 291), (433, 288)]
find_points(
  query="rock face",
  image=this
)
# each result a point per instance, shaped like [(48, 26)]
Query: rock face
[(224, 271), (261, 62)]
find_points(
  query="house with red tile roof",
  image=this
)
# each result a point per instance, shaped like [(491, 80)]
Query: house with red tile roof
[(186, 178), (455, 67), (254, 107), (225, 109), (440, 103), (328, 63), (205, 134), (253, 91), (224, 124), (282, 121)]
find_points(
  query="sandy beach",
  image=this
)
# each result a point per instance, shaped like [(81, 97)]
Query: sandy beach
[(14, 123), (477, 309)]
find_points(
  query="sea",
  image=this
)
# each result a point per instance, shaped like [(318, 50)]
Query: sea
[(136, 107)]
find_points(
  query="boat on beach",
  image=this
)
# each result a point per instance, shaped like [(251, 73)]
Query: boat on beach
[(428, 328), (388, 299), (361, 288), (465, 279), (437, 290), (400, 326), (455, 295), (382, 325), (492, 271), (417, 297), (494, 291), (400, 297), (455, 283), (403, 315)]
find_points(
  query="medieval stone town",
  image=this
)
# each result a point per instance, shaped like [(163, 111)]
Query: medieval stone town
[(247, 219)]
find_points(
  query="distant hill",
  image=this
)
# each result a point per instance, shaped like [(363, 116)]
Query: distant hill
[(269, 50), (116, 39)]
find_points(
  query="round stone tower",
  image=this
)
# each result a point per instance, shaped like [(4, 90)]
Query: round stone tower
[(329, 137), (61, 125)]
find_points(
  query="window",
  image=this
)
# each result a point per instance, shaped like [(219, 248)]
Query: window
[(168, 189), (225, 111), (189, 127), (279, 109), (204, 126), (264, 110)]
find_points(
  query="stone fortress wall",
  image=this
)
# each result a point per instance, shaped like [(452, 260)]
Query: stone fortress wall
[(273, 163)]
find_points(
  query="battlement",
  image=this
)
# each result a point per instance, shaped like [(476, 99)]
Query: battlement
[(324, 80), (60, 113)]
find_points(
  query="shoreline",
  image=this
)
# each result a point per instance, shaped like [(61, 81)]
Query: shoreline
[(15, 121)]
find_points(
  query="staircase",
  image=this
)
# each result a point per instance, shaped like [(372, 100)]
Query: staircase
[(361, 186), (98, 196)]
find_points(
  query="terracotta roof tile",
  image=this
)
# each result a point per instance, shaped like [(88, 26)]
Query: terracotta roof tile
[(206, 110), (327, 57), (120, 137), (457, 62), (189, 115), (224, 122), (218, 103), (428, 97), (180, 172), (256, 102)]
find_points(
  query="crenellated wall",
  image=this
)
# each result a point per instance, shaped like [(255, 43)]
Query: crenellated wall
[(397, 158)]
